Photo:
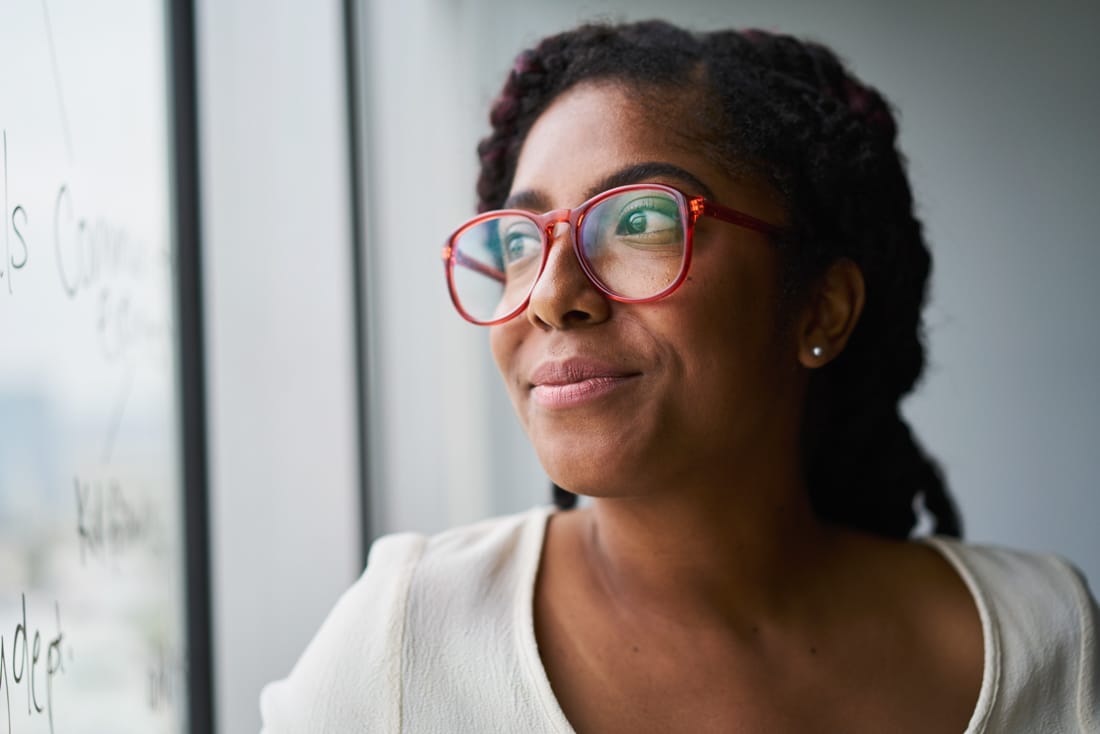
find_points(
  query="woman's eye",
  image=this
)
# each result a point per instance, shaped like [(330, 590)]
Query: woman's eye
[(649, 221), (520, 245), (635, 223)]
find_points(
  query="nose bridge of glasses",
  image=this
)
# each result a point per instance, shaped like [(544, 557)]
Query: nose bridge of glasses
[(552, 221), (560, 227)]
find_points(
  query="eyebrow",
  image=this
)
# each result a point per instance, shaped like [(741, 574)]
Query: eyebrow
[(648, 171)]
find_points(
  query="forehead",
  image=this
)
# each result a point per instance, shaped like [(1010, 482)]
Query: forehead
[(596, 129)]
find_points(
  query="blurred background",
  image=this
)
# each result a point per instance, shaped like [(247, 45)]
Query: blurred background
[(999, 109)]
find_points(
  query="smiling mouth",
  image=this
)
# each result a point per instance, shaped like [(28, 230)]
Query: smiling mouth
[(577, 393), (575, 382)]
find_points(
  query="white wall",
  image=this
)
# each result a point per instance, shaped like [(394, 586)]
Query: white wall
[(435, 455), (279, 326), (999, 108)]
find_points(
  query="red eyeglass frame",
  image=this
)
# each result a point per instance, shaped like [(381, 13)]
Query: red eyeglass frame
[(691, 209)]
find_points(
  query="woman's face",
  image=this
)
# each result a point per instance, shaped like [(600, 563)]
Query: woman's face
[(623, 399)]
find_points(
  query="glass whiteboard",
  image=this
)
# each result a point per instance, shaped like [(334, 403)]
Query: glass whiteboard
[(92, 562)]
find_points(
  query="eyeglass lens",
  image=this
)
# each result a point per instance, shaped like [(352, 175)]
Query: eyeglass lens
[(632, 243)]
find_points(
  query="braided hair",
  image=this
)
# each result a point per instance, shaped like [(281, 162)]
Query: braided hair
[(789, 110)]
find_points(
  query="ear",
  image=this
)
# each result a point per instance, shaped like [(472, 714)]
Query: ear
[(831, 313)]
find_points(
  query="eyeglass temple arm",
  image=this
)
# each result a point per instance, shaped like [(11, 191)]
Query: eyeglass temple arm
[(700, 206), (475, 265)]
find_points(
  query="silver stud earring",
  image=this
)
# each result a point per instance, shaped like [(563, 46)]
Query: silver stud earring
[(818, 351)]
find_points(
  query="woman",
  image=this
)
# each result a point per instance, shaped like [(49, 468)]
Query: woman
[(703, 278)]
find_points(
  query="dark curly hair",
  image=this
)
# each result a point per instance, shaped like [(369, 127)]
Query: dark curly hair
[(789, 110)]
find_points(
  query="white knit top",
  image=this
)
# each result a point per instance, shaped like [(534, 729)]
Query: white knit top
[(437, 636)]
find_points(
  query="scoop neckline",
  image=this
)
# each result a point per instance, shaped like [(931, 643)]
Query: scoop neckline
[(950, 550), (527, 643), (524, 621)]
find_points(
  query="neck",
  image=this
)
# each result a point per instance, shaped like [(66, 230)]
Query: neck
[(734, 555)]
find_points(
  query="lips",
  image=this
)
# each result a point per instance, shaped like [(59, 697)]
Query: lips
[(576, 381)]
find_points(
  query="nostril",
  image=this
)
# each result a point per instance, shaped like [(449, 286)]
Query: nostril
[(577, 316)]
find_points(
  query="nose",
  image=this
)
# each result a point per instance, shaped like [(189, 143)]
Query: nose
[(563, 296)]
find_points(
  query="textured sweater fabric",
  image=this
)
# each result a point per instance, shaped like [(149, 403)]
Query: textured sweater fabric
[(437, 636)]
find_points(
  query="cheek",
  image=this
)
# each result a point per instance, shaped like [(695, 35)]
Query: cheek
[(731, 337), (741, 295), (501, 347), (505, 342)]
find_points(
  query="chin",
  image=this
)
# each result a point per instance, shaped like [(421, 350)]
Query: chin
[(602, 469)]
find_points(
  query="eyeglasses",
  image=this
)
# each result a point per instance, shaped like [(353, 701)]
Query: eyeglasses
[(632, 242)]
